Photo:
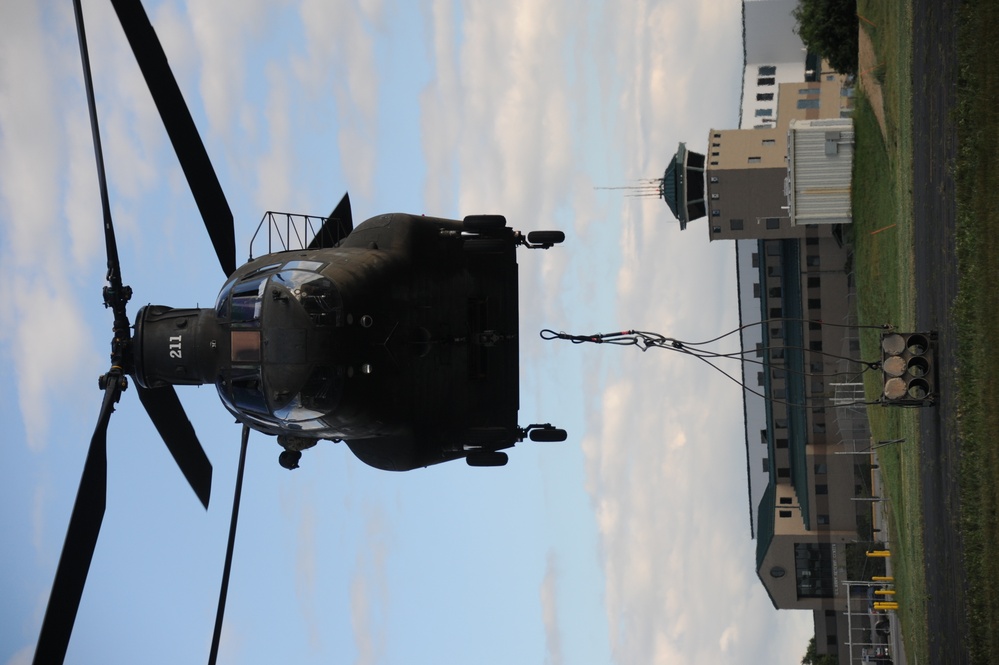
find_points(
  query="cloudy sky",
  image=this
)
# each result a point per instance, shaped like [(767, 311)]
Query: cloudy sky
[(628, 543)]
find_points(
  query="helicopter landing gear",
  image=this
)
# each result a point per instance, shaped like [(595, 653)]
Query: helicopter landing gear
[(489, 233), (541, 239), (545, 432), (487, 458), (293, 447)]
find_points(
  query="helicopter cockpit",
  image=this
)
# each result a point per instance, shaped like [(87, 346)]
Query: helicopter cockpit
[(304, 306)]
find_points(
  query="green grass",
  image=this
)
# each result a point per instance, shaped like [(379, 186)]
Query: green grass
[(882, 228), (884, 264)]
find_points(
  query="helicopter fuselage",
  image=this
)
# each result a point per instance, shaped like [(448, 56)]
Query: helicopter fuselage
[(401, 341)]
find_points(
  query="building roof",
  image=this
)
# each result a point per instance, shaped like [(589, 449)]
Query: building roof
[(672, 188)]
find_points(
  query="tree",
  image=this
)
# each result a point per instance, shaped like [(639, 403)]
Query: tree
[(812, 658), (829, 28)]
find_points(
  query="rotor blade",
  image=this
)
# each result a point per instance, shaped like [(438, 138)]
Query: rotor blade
[(167, 414), (180, 127), (114, 270), (336, 227), (81, 540), (224, 591)]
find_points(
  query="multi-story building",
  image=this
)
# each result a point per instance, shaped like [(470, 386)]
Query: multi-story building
[(779, 188)]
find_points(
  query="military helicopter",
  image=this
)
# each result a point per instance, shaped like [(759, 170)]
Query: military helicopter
[(397, 337)]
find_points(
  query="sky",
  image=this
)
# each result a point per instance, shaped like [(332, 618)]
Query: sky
[(627, 543)]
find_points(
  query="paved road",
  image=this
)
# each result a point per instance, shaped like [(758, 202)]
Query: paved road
[(934, 72)]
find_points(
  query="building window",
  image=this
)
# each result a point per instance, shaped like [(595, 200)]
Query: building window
[(808, 91), (814, 282), (814, 325), (808, 103), (759, 349), (714, 197), (777, 333), (779, 373), (714, 154), (781, 444), (756, 259), (784, 472), (773, 223), (784, 513), (754, 160), (716, 213), (813, 570), (756, 290), (774, 292), (769, 142), (816, 345), (780, 394), (821, 469), (812, 261), (714, 180), (716, 145), (768, 70), (714, 163), (823, 520), (821, 489), (816, 367), (736, 225), (759, 378), (716, 229), (766, 465), (776, 354), (764, 113), (764, 96), (785, 501), (775, 313), (817, 388), (774, 271), (765, 80), (814, 303), (763, 436), (811, 241), (717, 136), (780, 423)]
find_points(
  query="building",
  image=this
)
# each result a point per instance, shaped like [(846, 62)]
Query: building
[(779, 188)]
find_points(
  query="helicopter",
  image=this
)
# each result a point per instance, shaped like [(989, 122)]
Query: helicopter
[(397, 337)]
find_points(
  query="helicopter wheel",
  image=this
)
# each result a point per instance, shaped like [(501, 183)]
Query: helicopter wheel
[(545, 238), (487, 458), (484, 223), (546, 434)]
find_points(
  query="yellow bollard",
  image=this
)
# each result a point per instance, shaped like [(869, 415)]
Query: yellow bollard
[(884, 592), (882, 578), (885, 606), (879, 553)]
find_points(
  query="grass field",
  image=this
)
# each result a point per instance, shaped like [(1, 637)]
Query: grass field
[(882, 228), (883, 239)]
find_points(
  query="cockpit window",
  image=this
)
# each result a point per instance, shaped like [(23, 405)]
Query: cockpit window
[(311, 266), (246, 301), (245, 346), (247, 391), (316, 293)]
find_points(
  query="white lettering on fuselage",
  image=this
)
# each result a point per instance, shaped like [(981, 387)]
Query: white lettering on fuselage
[(175, 351)]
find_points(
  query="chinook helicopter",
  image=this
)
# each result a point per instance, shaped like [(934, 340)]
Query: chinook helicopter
[(397, 337)]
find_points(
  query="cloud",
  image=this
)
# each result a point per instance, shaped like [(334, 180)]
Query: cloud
[(369, 601), (34, 63), (340, 57), (549, 612)]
